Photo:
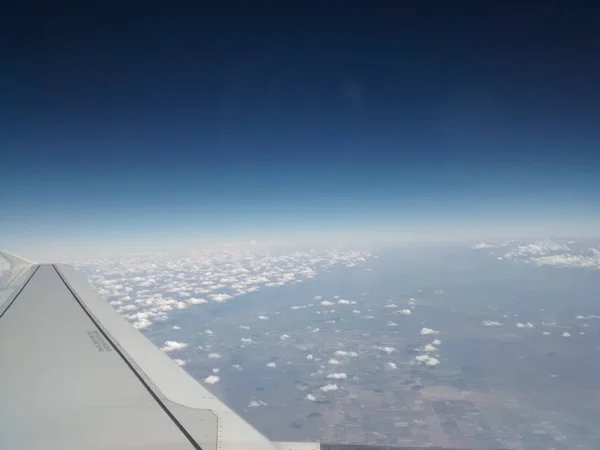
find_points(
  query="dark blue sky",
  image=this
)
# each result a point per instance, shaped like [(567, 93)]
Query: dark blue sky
[(120, 121)]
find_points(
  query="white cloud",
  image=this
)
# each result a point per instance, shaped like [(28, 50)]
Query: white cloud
[(271, 365), (386, 349), (436, 342), (432, 362), (326, 303), (318, 297), (426, 331), (333, 361), (263, 317), (429, 348), (566, 334), (310, 357), (546, 333), (391, 324), (246, 340), (344, 302), (391, 305), (355, 311), (180, 362), (176, 327), (329, 387), (524, 325), (392, 365), (256, 403), (173, 345), (237, 366), (310, 397), (283, 337), (244, 327), (216, 370), (212, 379), (209, 333), (214, 356), (337, 376), (346, 353), (492, 323), (196, 301), (404, 312)]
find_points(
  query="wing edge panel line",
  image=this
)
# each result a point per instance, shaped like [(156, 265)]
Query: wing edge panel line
[(18, 293), (128, 363)]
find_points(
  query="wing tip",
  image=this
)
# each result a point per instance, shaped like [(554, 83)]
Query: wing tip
[(14, 260)]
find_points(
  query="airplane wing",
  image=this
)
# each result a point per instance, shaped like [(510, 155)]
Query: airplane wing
[(76, 375)]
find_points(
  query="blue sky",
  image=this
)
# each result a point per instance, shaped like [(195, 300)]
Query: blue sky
[(161, 127)]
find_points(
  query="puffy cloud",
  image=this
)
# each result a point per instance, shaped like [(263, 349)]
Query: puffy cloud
[(256, 403), (355, 311), (346, 353), (492, 323), (436, 342), (209, 333), (333, 361), (326, 303), (329, 387), (386, 349), (427, 360), (545, 333), (566, 334), (216, 370), (261, 317), (214, 356), (246, 340), (429, 348), (180, 362), (237, 366), (432, 362), (284, 337), (318, 297), (173, 345), (392, 365), (427, 331), (337, 376), (391, 305), (310, 397), (391, 324), (195, 301), (404, 312), (524, 325), (310, 357), (212, 379), (244, 327), (176, 327), (271, 365)]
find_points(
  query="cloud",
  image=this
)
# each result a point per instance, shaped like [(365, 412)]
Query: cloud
[(310, 357), (392, 365), (263, 317), (337, 376), (346, 353), (436, 342), (214, 356), (284, 337), (318, 297), (326, 303), (180, 362), (427, 331), (333, 361), (427, 360), (355, 311), (212, 379), (329, 387), (246, 340), (492, 323), (195, 301), (173, 345), (344, 302), (390, 305), (404, 312), (176, 327), (271, 365), (256, 403), (524, 325), (566, 334), (237, 366), (216, 370), (310, 397), (209, 333), (244, 327), (545, 333), (387, 350), (429, 348)]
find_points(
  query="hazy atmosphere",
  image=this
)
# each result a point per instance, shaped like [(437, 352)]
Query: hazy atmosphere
[(370, 223)]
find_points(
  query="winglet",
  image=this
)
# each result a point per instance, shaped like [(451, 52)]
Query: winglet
[(17, 265), (14, 260)]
